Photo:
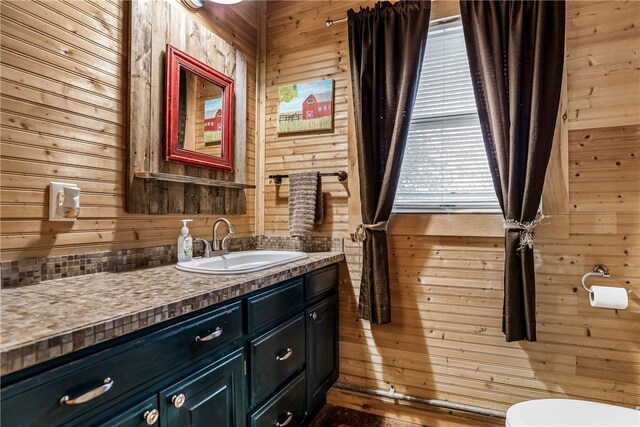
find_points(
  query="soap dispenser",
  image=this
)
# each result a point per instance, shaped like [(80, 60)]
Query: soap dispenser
[(185, 243)]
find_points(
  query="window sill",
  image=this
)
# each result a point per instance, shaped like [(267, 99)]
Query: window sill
[(468, 225)]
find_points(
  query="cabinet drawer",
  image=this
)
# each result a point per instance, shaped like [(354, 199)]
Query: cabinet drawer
[(275, 356), (285, 408), (268, 308), (321, 281), (36, 401)]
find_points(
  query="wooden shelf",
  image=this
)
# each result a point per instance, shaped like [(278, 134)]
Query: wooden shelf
[(158, 176)]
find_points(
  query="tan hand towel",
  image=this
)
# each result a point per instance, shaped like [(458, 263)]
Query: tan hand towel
[(305, 202)]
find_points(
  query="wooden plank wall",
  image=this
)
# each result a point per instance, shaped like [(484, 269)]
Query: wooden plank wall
[(154, 24), (64, 118), (445, 341), (64, 109), (301, 49)]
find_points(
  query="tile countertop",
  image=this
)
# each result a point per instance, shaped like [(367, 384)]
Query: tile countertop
[(56, 317)]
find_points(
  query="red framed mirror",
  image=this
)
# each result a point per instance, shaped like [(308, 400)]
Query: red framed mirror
[(198, 113)]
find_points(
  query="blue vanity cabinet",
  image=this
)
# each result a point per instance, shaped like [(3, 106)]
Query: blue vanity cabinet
[(293, 364), (265, 358)]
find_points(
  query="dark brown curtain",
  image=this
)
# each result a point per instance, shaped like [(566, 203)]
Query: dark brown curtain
[(386, 47), (516, 52)]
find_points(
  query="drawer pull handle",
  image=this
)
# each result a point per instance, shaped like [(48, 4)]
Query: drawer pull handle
[(151, 417), (90, 395), (178, 400), (287, 355), (212, 335), (314, 315), (286, 422)]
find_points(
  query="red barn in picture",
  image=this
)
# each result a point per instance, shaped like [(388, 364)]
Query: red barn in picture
[(315, 106), (215, 123)]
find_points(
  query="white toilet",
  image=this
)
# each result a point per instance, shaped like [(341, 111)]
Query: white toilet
[(568, 412)]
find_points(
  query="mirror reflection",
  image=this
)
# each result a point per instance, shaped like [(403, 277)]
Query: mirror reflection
[(200, 119)]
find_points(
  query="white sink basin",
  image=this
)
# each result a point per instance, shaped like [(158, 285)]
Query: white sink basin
[(240, 262)]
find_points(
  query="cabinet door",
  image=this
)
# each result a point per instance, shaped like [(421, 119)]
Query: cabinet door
[(213, 396), (322, 348)]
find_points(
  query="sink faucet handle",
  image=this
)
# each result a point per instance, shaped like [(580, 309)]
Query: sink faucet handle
[(207, 246), (224, 245)]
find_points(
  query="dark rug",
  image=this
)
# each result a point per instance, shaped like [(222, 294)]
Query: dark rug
[(336, 416)]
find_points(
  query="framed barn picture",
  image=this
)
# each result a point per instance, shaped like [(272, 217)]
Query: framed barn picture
[(305, 107), (213, 121)]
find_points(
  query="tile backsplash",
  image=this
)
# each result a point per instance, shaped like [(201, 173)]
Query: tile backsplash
[(305, 244), (31, 271)]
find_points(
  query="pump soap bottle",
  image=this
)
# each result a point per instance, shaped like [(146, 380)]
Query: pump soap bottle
[(185, 243)]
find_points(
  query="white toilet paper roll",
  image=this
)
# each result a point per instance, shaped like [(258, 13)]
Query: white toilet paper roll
[(608, 297)]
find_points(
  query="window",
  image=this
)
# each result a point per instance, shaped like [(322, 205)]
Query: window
[(445, 167)]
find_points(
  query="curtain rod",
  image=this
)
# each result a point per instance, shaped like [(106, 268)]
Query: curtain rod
[(329, 22)]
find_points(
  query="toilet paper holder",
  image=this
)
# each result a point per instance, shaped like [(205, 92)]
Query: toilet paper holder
[(599, 271)]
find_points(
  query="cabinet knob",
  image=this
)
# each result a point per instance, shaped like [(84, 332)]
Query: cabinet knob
[(178, 400), (285, 422), (151, 417), (90, 395), (287, 355), (313, 315)]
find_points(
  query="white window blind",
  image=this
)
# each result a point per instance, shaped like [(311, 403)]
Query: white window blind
[(445, 166)]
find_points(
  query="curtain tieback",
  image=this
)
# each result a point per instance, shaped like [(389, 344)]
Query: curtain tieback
[(360, 234), (526, 230)]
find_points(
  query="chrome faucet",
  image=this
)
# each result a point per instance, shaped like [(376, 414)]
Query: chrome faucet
[(217, 244), (207, 247)]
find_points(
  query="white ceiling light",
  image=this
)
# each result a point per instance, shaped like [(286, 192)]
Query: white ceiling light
[(193, 4), (197, 4)]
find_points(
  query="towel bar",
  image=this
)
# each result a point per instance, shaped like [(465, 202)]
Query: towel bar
[(342, 176)]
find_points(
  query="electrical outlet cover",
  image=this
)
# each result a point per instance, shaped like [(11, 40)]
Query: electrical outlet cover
[(54, 189)]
